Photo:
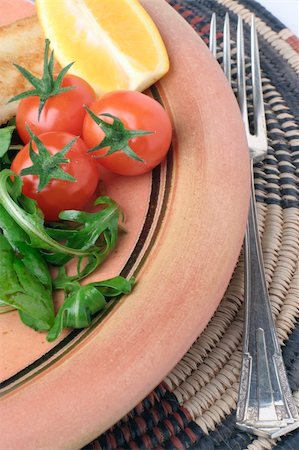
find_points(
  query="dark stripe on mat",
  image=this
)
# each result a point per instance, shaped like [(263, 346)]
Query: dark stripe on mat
[(264, 14)]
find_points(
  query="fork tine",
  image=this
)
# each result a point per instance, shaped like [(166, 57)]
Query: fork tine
[(241, 74), (212, 39), (257, 90), (227, 48)]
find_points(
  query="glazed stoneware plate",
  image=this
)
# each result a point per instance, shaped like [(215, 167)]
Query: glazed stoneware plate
[(185, 224)]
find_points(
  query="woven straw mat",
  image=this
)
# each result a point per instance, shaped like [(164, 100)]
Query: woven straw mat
[(194, 407)]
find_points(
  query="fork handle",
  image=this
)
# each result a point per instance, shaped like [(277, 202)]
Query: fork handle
[(265, 405)]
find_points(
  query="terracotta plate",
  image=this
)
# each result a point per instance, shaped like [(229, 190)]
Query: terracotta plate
[(185, 225)]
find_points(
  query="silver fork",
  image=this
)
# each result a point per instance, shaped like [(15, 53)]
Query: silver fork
[(265, 404)]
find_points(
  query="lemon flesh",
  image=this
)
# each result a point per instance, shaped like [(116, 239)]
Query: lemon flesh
[(114, 44)]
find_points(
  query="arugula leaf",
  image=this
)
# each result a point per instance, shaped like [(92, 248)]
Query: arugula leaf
[(83, 270), (81, 240), (26, 214), (39, 299), (30, 256), (88, 226), (86, 233), (113, 287), (8, 279), (77, 310), (20, 289), (5, 138), (26, 246), (83, 302)]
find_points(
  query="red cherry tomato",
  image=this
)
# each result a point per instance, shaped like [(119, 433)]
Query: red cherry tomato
[(137, 111), (62, 112), (59, 195)]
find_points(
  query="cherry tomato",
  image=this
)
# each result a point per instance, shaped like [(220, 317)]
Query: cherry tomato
[(136, 111), (59, 195), (62, 112)]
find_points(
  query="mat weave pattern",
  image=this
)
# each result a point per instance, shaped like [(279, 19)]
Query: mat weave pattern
[(194, 407)]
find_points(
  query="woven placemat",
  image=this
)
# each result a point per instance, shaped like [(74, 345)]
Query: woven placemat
[(194, 407)]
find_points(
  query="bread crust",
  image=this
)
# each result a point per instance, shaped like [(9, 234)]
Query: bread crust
[(21, 42)]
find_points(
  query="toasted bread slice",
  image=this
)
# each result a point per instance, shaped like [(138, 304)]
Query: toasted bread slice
[(21, 42)]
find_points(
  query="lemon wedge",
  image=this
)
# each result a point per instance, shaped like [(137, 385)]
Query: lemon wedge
[(114, 43)]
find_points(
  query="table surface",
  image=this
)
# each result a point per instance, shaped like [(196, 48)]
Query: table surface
[(285, 10)]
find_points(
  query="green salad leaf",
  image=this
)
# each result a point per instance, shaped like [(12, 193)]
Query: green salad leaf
[(25, 213), (82, 302), (22, 290), (30, 256), (5, 139), (27, 247), (8, 144)]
